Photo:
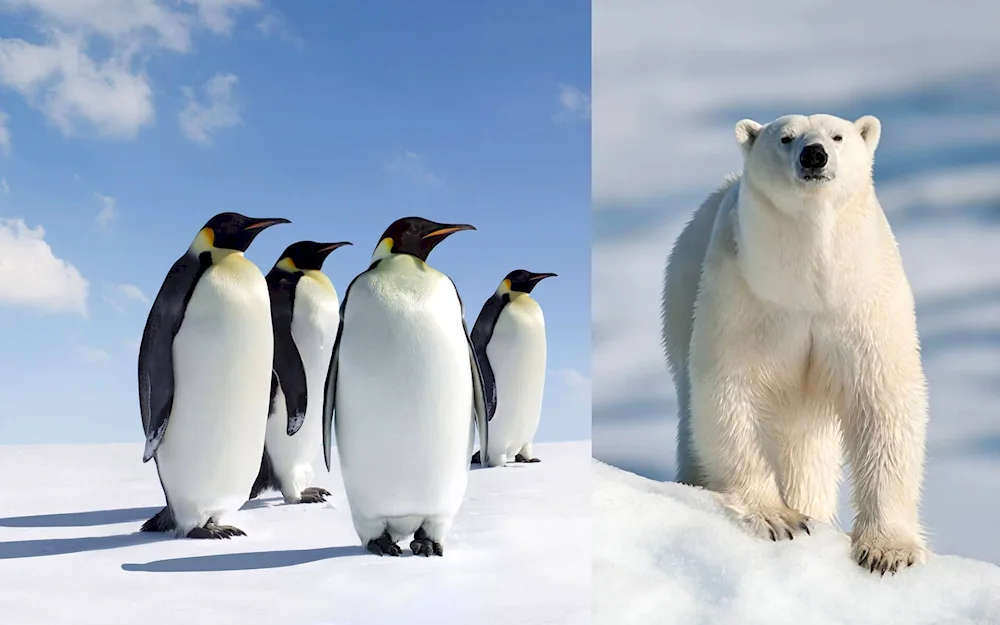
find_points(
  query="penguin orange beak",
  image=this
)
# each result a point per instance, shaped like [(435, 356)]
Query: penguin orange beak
[(541, 276), (326, 249), (260, 224), (447, 229)]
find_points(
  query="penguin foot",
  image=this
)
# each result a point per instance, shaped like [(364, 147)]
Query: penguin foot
[(422, 545), (211, 530), (384, 546), (520, 458), (475, 458), (314, 494)]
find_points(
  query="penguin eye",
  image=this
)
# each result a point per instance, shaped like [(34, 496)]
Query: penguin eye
[(838, 138), (786, 139)]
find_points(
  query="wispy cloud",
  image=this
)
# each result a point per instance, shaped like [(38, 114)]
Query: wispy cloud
[(574, 380), (103, 87), (92, 355), (275, 25), (119, 295), (4, 187), (54, 285), (108, 213), (218, 109), (4, 134), (413, 167), (574, 105)]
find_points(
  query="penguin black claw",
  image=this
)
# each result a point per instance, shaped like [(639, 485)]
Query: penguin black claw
[(213, 531), (316, 490), (475, 458), (422, 545), (525, 459), (384, 546), (312, 497)]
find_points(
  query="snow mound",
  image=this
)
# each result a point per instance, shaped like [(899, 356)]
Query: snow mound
[(71, 552), (666, 553)]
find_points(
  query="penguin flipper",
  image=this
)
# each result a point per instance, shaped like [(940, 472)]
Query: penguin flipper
[(330, 391), (484, 395), (288, 367), (482, 332), (156, 351)]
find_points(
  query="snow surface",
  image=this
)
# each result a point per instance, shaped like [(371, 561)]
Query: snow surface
[(668, 553), (70, 551)]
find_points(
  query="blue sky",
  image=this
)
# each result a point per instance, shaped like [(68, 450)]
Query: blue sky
[(123, 129)]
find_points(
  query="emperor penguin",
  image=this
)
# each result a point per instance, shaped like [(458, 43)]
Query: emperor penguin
[(404, 394), (204, 377), (509, 339), (305, 313)]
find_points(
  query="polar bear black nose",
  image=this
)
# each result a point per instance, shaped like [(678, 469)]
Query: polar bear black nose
[(813, 156)]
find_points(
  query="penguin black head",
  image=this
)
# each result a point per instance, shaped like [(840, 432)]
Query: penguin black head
[(232, 231), (307, 255), (521, 281), (415, 236)]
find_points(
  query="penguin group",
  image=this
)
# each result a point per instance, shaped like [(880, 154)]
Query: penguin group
[(241, 373)]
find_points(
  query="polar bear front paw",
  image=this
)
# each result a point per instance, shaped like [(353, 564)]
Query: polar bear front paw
[(776, 523), (883, 554)]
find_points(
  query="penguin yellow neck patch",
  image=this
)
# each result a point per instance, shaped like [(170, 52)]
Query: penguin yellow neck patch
[(504, 287), (286, 264), (204, 241), (320, 278), (383, 249)]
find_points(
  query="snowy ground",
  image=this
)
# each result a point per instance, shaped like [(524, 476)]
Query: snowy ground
[(683, 561), (70, 551), (670, 82)]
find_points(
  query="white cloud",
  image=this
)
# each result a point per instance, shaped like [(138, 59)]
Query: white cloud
[(274, 24), (92, 355), (218, 110), (118, 295), (109, 91), (668, 96), (574, 380), (574, 105), (71, 87), (52, 284), (4, 134), (217, 15), (413, 167), (4, 187), (109, 211)]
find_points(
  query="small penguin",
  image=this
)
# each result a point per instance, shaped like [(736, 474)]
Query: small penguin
[(509, 339), (305, 313), (204, 376), (408, 394)]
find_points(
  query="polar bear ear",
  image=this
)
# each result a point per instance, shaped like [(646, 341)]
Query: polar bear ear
[(747, 131), (870, 129)]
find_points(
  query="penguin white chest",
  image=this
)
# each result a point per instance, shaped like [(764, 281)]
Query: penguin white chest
[(517, 354), (404, 394), (315, 318), (210, 453)]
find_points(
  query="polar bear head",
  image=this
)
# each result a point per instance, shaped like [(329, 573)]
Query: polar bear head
[(797, 160)]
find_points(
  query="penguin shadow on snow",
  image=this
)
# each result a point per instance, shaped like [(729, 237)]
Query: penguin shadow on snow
[(40, 547), (251, 560), (87, 518)]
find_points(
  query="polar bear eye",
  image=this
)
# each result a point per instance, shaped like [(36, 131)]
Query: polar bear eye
[(786, 139), (838, 138)]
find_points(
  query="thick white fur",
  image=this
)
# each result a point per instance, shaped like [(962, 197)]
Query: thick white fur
[(210, 453), (404, 401), (517, 353), (789, 328), (315, 319)]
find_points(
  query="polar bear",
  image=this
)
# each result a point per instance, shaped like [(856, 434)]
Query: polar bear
[(789, 328)]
